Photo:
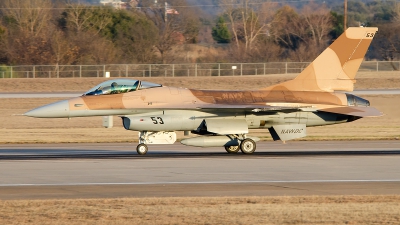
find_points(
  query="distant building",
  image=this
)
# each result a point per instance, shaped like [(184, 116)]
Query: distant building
[(120, 4)]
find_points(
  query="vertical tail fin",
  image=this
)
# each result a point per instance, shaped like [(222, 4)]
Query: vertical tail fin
[(336, 67)]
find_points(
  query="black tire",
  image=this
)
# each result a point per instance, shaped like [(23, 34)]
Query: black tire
[(232, 149), (142, 149), (248, 146)]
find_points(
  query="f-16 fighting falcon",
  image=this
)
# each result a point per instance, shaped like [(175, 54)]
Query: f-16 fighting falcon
[(316, 97)]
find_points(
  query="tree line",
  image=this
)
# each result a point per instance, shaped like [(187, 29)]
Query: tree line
[(63, 32), (272, 31)]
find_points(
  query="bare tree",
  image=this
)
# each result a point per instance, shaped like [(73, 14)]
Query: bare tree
[(284, 28), (25, 49), (245, 21), (3, 44), (82, 25), (396, 12), (302, 35), (175, 26), (26, 40), (64, 51), (252, 26), (319, 23), (229, 10), (79, 17), (136, 38), (102, 51), (387, 43), (30, 16), (166, 32)]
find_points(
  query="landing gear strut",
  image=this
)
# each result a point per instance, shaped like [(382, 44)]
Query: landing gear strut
[(154, 137), (142, 149)]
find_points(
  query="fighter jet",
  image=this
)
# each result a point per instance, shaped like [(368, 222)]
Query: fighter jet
[(316, 97)]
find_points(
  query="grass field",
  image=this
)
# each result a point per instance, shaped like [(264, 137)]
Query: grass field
[(206, 210)]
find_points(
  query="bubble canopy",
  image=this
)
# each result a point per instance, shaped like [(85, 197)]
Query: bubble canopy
[(118, 86)]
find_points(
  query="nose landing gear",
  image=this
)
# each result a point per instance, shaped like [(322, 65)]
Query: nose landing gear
[(142, 149)]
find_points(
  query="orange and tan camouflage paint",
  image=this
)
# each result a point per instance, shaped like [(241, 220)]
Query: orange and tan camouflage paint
[(333, 70), (188, 98), (336, 67)]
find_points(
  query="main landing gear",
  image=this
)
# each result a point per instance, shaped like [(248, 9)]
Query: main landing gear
[(232, 149), (247, 146)]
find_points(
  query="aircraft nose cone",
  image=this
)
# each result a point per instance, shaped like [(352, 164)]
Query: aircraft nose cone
[(55, 110)]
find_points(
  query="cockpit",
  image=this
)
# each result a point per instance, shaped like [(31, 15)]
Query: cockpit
[(119, 86)]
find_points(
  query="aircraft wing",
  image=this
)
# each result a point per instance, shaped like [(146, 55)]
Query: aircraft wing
[(248, 108), (354, 111), (345, 110)]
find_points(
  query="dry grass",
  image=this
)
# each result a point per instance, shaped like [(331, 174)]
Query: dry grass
[(206, 210)]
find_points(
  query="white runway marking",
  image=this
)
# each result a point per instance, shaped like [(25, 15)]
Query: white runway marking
[(202, 182)]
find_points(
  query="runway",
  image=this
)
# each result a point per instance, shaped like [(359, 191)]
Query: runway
[(127, 150), (45, 171)]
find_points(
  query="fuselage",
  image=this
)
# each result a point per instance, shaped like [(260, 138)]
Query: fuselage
[(184, 109)]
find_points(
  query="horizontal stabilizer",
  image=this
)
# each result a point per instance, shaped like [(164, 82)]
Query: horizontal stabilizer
[(354, 111)]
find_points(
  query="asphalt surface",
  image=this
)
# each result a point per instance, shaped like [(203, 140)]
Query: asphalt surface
[(76, 94), (44, 171)]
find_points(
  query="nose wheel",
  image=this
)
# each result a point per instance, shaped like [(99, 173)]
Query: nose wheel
[(142, 149)]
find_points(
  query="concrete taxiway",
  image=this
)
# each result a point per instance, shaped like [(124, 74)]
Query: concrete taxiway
[(115, 170)]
